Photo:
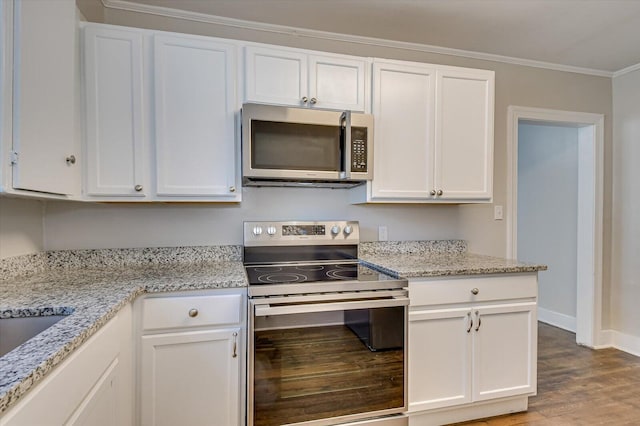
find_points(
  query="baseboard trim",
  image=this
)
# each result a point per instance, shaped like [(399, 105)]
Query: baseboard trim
[(557, 319), (621, 341), (466, 412)]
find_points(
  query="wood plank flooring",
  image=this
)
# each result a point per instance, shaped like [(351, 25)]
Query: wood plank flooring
[(578, 386)]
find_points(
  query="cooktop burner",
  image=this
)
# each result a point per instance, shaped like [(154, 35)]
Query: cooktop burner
[(283, 274)]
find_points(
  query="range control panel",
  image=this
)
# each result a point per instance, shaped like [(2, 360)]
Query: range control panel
[(301, 233)]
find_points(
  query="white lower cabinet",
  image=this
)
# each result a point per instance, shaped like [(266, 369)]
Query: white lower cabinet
[(472, 347), (440, 358), (92, 387), (191, 354)]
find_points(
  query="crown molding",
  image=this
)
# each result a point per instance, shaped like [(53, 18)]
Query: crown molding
[(626, 70), (325, 35)]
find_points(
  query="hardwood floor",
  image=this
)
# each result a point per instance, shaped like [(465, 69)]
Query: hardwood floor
[(578, 386)]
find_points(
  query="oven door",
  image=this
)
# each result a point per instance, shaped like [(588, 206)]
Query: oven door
[(312, 360)]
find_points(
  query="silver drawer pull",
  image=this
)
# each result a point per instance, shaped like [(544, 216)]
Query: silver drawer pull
[(235, 345), (193, 312), (475, 291)]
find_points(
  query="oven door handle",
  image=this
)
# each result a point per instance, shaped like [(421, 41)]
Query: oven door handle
[(285, 309)]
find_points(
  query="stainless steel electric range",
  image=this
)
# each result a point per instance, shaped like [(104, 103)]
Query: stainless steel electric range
[(327, 334)]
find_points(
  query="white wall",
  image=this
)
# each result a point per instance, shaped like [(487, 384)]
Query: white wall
[(547, 214), (625, 275), (87, 225), (20, 227)]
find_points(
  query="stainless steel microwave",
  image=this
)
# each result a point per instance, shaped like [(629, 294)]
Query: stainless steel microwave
[(284, 146)]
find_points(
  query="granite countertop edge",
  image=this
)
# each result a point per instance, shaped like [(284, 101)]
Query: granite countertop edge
[(25, 366), (411, 265)]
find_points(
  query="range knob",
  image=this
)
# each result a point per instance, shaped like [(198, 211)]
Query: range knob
[(257, 230), (335, 230), (348, 230), (271, 230)]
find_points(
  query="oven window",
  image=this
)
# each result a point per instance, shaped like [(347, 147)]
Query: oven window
[(293, 146), (330, 364)]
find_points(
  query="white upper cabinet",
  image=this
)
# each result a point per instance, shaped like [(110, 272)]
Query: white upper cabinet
[(45, 153), (297, 78), (115, 136), (464, 134), (433, 138), (195, 101), (160, 116), (403, 109)]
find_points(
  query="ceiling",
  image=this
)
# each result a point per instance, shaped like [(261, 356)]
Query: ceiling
[(599, 35)]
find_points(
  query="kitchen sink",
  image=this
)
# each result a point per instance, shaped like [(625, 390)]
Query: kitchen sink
[(16, 331)]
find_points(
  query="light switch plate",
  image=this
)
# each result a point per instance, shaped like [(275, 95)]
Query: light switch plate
[(382, 233), (497, 213)]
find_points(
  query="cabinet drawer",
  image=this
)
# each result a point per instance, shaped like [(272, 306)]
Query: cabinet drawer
[(439, 291), (191, 311)]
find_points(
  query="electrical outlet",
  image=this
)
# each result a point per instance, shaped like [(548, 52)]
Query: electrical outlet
[(382, 233), (497, 213)]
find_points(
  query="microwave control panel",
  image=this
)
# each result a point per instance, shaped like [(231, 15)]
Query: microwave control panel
[(358, 149)]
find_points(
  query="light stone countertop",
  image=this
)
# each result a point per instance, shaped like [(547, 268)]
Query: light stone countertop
[(415, 259), (91, 296), (444, 264)]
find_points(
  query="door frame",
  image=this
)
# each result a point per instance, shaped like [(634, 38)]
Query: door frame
[(590, 208)]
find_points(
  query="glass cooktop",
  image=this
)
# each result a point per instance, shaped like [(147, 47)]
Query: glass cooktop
[(289, 274), (283, 274)]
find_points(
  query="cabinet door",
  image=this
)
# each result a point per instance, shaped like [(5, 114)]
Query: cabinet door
[(504, 351), (439, 358), (337, 83), (113, 66), (100, 407), (464, 134), (191, 378), (44, 97), (275, 76), (403, 102), (195, 102)]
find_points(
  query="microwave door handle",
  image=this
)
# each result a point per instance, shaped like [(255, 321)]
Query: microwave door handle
[(345, 122)]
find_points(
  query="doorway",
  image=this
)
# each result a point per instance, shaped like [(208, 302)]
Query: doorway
[(561, 171)]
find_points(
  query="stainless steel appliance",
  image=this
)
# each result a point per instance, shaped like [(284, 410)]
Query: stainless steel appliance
[(284, 146), (309, 300)]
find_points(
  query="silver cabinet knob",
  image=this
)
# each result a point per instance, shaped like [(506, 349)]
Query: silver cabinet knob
[(313, 101), (475, 291), (71, 159), (232, 189), (433, 192), (138, 188), (305, 99), (439, 193), (193, 312)]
